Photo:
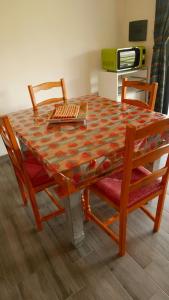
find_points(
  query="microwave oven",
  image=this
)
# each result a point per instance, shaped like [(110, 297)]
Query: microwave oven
[(119, 59)]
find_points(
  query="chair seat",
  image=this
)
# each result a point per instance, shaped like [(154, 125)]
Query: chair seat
[(61, 191), (36, 171), (110, 187)]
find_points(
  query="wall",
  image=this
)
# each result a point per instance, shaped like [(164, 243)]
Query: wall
[(45, 40), (48, 39), (132, 10)]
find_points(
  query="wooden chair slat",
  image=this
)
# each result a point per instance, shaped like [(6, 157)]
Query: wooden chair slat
[(138, 85), (33, 90), (46, 86), (150, 156), (51, 100), (147, 180), (143, 86), (136, 103), (154, 128)]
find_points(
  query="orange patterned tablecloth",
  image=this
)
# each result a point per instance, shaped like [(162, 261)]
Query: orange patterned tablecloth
[(75, 150)]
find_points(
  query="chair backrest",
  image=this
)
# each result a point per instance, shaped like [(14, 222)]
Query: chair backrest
[(155, 138), (11, 145), (150, 88), (46, 86)]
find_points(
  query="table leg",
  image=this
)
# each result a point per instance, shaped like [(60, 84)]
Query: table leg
[(74, 218)]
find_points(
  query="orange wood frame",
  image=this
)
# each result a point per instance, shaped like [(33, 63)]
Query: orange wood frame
[(151, 88), (24, 183), (131, 162), (46, 86)]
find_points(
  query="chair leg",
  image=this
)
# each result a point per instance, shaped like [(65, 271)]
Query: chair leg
[(122, 233), (35, 210), (83, 202), (86, 204), (22, 191), (159, 211)]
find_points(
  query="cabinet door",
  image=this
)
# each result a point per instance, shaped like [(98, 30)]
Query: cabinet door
[(108, 85)]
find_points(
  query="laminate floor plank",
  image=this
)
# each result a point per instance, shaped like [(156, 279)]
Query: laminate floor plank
[(158, 269), (160, 296), (100, 280), (43, 265), (8, 291), (10, 197), (142, 231), (84, 294), (138, 284), (30, 288)]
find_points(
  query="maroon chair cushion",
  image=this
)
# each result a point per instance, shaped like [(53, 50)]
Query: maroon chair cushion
[(110, 187), (35, 170), (61, 191)]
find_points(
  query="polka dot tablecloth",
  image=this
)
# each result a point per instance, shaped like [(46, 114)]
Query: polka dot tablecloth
[(77, 150)]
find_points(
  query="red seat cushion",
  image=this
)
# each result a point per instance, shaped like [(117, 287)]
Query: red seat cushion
[(61, 191), (111, 187), (36, 171)]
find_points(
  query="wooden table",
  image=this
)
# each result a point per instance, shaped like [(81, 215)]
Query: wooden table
[(78, 154)]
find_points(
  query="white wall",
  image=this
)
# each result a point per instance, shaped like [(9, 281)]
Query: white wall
[(43, 40), (133, 10)]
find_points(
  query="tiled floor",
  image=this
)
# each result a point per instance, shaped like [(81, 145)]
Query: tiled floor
[(43, 266)]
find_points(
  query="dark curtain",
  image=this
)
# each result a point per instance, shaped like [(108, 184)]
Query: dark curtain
[(159, 63)]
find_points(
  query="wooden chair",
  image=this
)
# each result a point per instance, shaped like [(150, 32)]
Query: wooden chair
[(46, 86), (131, 188), (30, 173), (150, 88)]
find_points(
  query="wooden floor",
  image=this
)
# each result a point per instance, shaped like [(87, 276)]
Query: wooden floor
[(43, 266)]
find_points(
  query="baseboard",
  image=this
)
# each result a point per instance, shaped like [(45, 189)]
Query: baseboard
[(4, 158)]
